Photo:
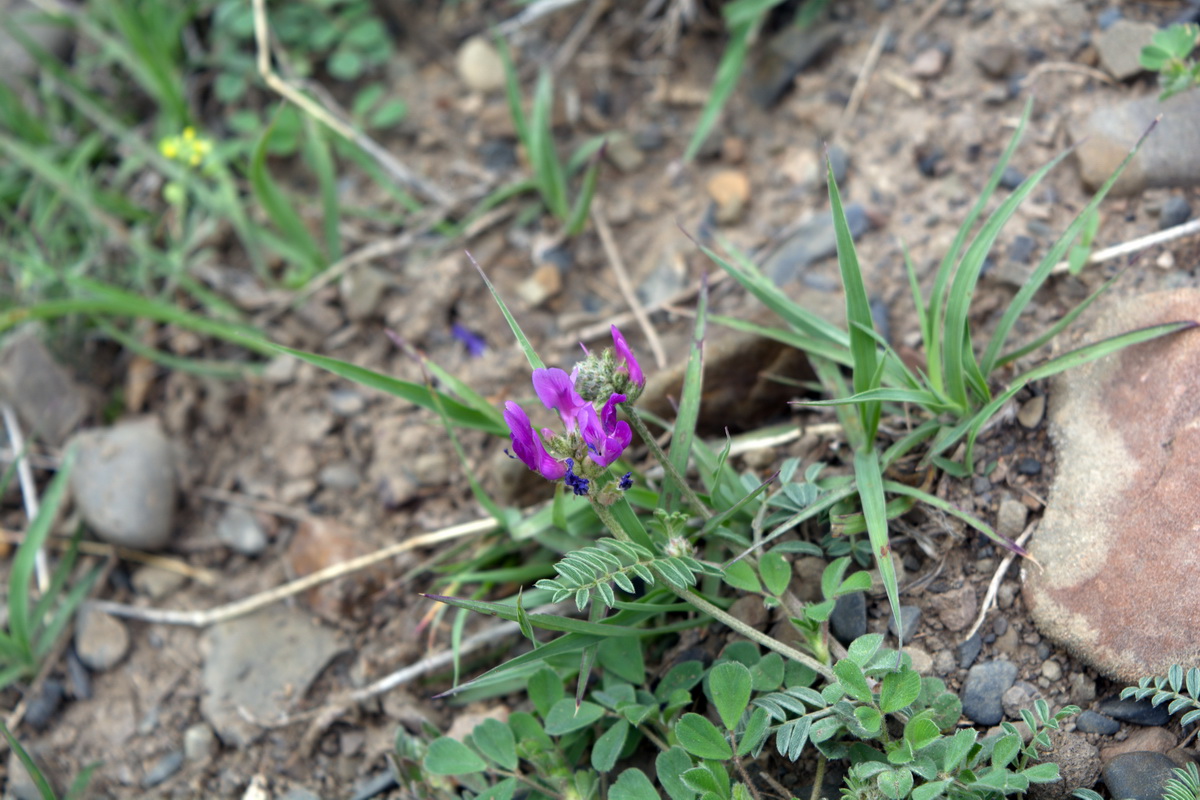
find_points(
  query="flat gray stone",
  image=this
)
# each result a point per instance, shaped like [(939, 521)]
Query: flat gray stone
[(47, 400), (258, 667), (1117, 543), (124, 483), (101, 640), (1120, 45), (1170, 156)]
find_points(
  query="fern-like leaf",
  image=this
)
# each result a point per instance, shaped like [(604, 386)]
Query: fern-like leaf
[(586, 574)]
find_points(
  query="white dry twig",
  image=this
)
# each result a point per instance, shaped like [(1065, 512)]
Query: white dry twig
[(993, 587), (863, 80), (29, 497), (1135, 245), (626, 285)]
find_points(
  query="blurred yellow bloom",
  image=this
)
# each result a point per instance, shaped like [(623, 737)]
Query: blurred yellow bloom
[(187, 147)]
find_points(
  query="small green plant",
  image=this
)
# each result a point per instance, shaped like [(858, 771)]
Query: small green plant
[(33, 629), (550, 174), (1170, 55), (1185, 785), (954, 388), (78, 786)]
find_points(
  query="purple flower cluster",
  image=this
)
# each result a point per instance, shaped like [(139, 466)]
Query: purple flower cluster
[(591, 440)]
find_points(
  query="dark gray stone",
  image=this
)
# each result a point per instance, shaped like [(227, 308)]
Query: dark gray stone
[(1139, 712), (983, 691), (1091, 722), (813, 240), (498, 155), (649, 137), (164, 768), (968, 651), (47, 400), (1011, 178), (1175, 211), (783, 57), (1138, 776), (45, 704), (1029, 466), (1106, 18), (849, 618), (374, 786), (1022, 248)]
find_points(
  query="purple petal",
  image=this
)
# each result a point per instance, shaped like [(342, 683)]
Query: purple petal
[(608, 414), (474, 343), (557, 392), (605, 445), (528, 447), (625, 360)]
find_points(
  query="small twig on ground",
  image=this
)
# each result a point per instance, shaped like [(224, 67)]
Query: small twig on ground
[(626, 286), (927, 16), (994, 586), (600, 329), (240, 608), (29, 495), (532, 13), (252, 503), (1064, 66), (1135, 245), (402, 174), (199, 574), (862, 81), (578, 34)]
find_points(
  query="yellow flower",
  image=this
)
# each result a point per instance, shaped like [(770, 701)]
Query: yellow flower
[(187, 148)]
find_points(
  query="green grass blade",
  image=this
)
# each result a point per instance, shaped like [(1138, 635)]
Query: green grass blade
[(460, 413), (914, 286), (512, 93), (958, 354), (20, 623), (814, 510), (858, 309), (224, 370), (906, 443), (45, 640), (80, 784), (279, 209), (547, 169), (531, 355), (937, 296), (808, 344), (583, 203), (920, 397), (949, 508), (1061, 325), (1026, 292), (58, 579), (39, 780), (319, 158), (869, 479), (729, 70), (548, 622), (689, 405)]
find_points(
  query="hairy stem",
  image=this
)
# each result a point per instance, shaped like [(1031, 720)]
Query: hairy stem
[(688, 495)]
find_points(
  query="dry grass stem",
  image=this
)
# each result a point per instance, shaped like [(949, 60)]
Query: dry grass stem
[(989, 599), (1135, 245), (400, 173), (29, 496), (626, 286), (240, 608), (1065, 66), (862, 81), (199, 574)]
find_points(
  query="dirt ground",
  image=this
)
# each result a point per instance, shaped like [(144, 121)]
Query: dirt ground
[(919, 147)]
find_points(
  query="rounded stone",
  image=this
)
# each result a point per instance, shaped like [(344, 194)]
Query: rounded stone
[(479, 65), (1138, 776), (199, 742), (101, 640), (124, 483), (983, 691), (1091, 722)]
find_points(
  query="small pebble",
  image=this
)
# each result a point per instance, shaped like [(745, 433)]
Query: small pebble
[(1022, 248), (849, 618), (1138, 776), (983, 691), (101, 640), (839, 161), (479, 65), (910, 618), (968, 651), (1031, 411), (1106, 18), (346, 402), (1029, 466), (1051, 670), (1011, 178), (199, 742), (929, 159), (1091, 722), (240, 530), (1139, 712), (929, 63), (1175, 211), (1021, 694), (44, 705), (164, 768), (649, 137), (730, 190)]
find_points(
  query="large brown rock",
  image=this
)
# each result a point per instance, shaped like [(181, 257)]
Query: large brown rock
[(1118, 542)]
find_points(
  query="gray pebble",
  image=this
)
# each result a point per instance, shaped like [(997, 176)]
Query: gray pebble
[(1021, 694), (342, 475), (849, 618), (239, 529), (1139, 712), (164, 768), (968, 651), (649, 137), (101, 640), (346, 402), (1138, 776), (199, 742), (1022, 248), (1029, 466), (1106, 18), (1091, 722), (1011, 178), (45, 704), (1175, 211), (1051, 670), (813, 240), (983, 691), (124, 484)]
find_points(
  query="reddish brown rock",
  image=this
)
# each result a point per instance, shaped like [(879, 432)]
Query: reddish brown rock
[(1154, 740), (1119, 538), (322, 543)]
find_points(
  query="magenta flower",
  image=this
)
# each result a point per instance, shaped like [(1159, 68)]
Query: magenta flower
[(626, 363), (605, 435), (528, 447), (557, 392)]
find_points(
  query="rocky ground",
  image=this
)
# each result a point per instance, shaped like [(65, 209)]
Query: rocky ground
[(247, 484)]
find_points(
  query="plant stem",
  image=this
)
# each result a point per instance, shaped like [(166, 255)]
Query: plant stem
[(819, 778), (667, 466), (702, 605)]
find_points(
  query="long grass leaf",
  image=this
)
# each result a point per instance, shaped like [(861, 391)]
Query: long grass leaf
[(65, 613), (869, 479), (583, 202), (39, 780), (949, 508), (319, 158), (279, 208), (729, 70), (547, 169), (1026, 292), (531, 355), (20, 623), (512, 93), (461, 414), (1058, 327), (858, 309), (921, 397), (936, 307), (956, 334)]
